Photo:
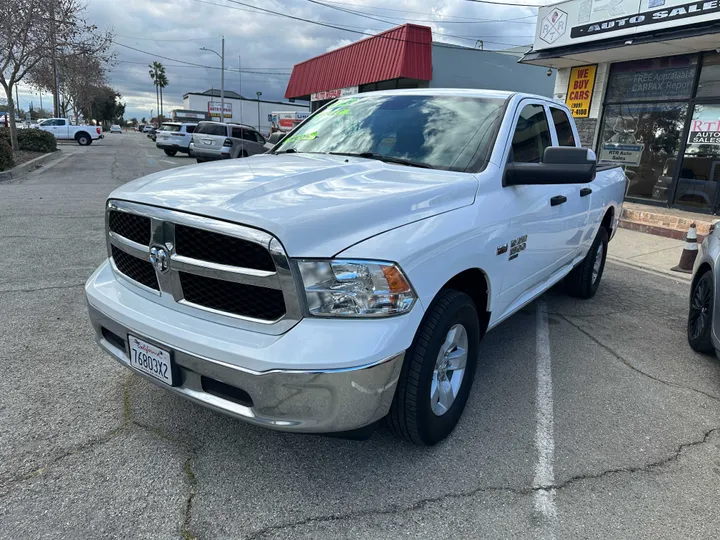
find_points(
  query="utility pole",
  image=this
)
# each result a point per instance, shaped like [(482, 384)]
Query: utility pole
[(258, 94), (56, 78), (240, 88), (222, 81)]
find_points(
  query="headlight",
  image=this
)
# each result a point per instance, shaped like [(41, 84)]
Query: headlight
[(350, 288)]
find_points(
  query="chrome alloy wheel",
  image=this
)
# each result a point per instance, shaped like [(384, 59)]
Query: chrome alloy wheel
[(598, 263), (449, 370), (700, 307)]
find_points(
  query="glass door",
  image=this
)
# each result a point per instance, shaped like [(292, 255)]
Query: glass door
[(699, 172)]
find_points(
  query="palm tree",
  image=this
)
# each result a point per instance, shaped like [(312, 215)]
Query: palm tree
[(162, 82), (155, 70)]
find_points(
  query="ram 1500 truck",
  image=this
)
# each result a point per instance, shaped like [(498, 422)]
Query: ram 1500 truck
[(349, 275), (64, 131)]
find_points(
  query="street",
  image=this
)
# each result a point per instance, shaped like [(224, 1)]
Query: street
[(587, 419)]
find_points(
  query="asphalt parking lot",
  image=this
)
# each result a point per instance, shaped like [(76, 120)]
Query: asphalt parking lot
[(588, 419)]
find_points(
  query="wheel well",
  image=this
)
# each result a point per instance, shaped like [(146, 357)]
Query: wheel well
[(704, 267), (77, 135), (608, 220), (475, 284)]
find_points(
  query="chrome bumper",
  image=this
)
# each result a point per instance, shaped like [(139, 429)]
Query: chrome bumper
[(287, 400)]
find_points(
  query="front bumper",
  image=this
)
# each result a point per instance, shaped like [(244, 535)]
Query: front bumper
[(305, 400)]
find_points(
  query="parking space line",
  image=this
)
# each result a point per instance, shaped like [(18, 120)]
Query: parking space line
[(544, 493)]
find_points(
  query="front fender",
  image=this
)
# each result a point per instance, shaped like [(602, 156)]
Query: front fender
[(434, 250)]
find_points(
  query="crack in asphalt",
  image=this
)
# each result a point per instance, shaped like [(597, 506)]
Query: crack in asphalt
[(52, 287), (627, 363), (422, 503), (192, 481)]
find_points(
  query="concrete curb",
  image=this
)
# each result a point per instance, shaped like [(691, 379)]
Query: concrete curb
[(679, 276), (25, 168)]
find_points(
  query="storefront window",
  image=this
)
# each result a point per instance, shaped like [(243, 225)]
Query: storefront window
[(645, 139), (700, 169), (652, 80), (709, 83)]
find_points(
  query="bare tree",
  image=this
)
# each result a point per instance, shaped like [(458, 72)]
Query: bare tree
[(33, 30)]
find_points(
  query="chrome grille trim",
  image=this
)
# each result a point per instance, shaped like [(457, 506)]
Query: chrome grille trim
[(163, 235)]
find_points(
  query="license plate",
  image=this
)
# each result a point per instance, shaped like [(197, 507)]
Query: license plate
[(150, 359), (164, 138)]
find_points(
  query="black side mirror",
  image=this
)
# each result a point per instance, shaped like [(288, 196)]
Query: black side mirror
[(561, 165)]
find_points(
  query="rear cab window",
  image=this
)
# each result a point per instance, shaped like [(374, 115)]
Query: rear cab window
[(531, 136), (563, 127)]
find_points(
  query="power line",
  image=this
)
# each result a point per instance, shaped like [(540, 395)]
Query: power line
[(259, 71), (372, 6), (507, 4), (178, 40), (439, 21), (337, 27)]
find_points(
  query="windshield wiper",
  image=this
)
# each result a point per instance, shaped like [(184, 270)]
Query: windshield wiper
[(288, 151), (386, 159)]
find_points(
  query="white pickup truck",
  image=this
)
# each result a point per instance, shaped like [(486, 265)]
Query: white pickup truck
[(349, 275), (64, 131)]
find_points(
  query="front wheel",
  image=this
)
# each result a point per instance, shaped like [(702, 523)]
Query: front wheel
[(583, 281), (438, 371), (170, 153), (699, 327)]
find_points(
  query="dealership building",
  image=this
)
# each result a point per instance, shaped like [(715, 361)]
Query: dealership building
[(238, 109), (642, 78), (407, 57)]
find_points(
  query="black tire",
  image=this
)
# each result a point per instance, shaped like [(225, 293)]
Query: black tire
[(170, 153), (200, 160), (83, 139), (411, 416), (700, 318), (581, 281)]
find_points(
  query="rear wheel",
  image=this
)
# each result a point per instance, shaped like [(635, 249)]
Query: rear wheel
[(438, 371), (200, 160), (583, 281), (170, 153), (83, 139), (702, 300)]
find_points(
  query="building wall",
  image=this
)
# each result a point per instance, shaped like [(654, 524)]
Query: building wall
[(460, 67), (586, 126), (244, 111)]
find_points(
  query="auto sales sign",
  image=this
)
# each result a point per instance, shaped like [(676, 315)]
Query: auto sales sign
[(590, 20)]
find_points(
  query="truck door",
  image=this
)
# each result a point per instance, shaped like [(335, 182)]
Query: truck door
[(62, 129), (540, 236), (578, 204)]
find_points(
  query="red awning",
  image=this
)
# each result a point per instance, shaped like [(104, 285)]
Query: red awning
[(405, 51)]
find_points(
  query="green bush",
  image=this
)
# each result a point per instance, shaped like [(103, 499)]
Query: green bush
[(32, 140), (36, 140), (6, 156)]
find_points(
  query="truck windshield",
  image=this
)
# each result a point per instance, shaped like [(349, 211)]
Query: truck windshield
[(441, 132)]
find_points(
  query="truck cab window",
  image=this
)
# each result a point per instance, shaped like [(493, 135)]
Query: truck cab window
[(532, 135), (563, 127)]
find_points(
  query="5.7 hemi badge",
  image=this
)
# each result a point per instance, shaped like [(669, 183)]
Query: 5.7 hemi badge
[(516, 246)]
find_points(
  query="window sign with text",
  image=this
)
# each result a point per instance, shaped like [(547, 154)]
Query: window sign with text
[(580, 90)]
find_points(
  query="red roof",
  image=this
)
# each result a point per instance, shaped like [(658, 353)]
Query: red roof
[(405, 51)]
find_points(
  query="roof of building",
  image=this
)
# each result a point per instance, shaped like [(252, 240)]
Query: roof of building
[(404, 51), (215, 92)]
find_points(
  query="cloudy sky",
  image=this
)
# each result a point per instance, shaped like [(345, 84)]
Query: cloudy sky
[(269, 45)]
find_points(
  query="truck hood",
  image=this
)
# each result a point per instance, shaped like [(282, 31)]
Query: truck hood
[(317, 205)]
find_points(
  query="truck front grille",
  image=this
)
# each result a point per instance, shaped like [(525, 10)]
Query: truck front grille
[(134, 268), (212, 266), (238, 298), (221, 249), (130, 226)]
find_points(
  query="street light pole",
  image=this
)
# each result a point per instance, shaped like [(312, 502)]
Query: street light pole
[(222, 77), (258, 100), (240, 87)]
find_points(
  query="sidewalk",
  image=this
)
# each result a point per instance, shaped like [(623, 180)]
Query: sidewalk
[(647, 251)]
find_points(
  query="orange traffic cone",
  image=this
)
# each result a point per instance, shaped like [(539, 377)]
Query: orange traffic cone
[(690, 252)]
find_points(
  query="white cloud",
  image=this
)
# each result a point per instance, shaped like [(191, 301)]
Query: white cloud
[(177, 29)]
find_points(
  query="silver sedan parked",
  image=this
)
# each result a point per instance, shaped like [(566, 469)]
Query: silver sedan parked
[(703, 318)]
